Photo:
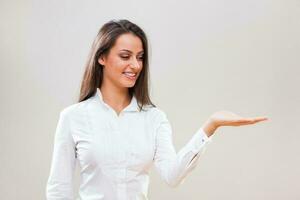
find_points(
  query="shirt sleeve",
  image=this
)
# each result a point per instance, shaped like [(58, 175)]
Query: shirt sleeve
[(173, 167), (60, 181)]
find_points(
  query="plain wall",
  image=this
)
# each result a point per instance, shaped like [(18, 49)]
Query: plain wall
[(209, 55)]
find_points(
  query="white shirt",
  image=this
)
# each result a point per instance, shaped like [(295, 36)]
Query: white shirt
[(115, 152)]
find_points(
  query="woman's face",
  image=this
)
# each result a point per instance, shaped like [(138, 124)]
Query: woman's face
[(124, 62)]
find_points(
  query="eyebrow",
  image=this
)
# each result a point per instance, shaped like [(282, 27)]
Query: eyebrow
[(131, 51)]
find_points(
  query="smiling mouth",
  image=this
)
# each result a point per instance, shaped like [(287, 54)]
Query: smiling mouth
[(130, 75)]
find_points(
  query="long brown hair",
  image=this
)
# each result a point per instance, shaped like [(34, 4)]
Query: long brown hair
[(104, 41)]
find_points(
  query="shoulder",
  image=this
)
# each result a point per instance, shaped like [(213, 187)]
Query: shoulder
[(74, 110), (157, 114)]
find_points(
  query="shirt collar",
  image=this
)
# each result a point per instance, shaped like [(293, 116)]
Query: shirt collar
[(133, 106)]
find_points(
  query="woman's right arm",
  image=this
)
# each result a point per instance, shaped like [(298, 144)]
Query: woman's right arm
[(60, 181)]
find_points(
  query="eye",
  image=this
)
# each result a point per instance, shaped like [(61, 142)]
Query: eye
[(124, 57), (141, 58)]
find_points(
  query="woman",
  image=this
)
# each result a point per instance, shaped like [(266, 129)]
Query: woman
[(115, 132)]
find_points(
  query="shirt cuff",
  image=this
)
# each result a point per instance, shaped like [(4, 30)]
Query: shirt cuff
[(200, 139)]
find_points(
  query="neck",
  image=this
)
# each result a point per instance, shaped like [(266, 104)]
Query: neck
[(116, 97)]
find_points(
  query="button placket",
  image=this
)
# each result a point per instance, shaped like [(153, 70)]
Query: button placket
[(114, 122)]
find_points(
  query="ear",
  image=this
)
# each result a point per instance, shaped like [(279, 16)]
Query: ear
[(101, 60)]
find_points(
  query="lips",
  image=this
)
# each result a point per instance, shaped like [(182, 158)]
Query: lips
[(130, 75)]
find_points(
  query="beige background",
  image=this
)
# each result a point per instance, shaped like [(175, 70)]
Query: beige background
[(210, 55)]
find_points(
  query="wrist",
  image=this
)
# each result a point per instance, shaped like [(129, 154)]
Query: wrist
[(209, 127)]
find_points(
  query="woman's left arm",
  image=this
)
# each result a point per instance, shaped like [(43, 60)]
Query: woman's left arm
[(173, 167)]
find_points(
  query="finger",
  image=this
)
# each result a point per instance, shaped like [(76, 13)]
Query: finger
[(248, 122), (255, 119), (258, 119), (240, 123), (244, 120)]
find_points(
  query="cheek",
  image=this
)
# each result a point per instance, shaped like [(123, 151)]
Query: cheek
[(117, 66), (141, 65), (115, 70)]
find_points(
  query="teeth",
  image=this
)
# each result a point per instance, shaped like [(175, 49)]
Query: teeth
[(129, 74)]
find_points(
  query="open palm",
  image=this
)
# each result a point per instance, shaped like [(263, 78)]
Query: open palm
[(226, 118)]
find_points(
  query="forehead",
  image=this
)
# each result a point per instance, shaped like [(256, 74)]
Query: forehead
[(130, 42)]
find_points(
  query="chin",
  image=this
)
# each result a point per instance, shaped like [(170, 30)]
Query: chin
[(130, 86), (126, 85)]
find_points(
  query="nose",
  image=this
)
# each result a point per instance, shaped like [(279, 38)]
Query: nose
[(135, 64)]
